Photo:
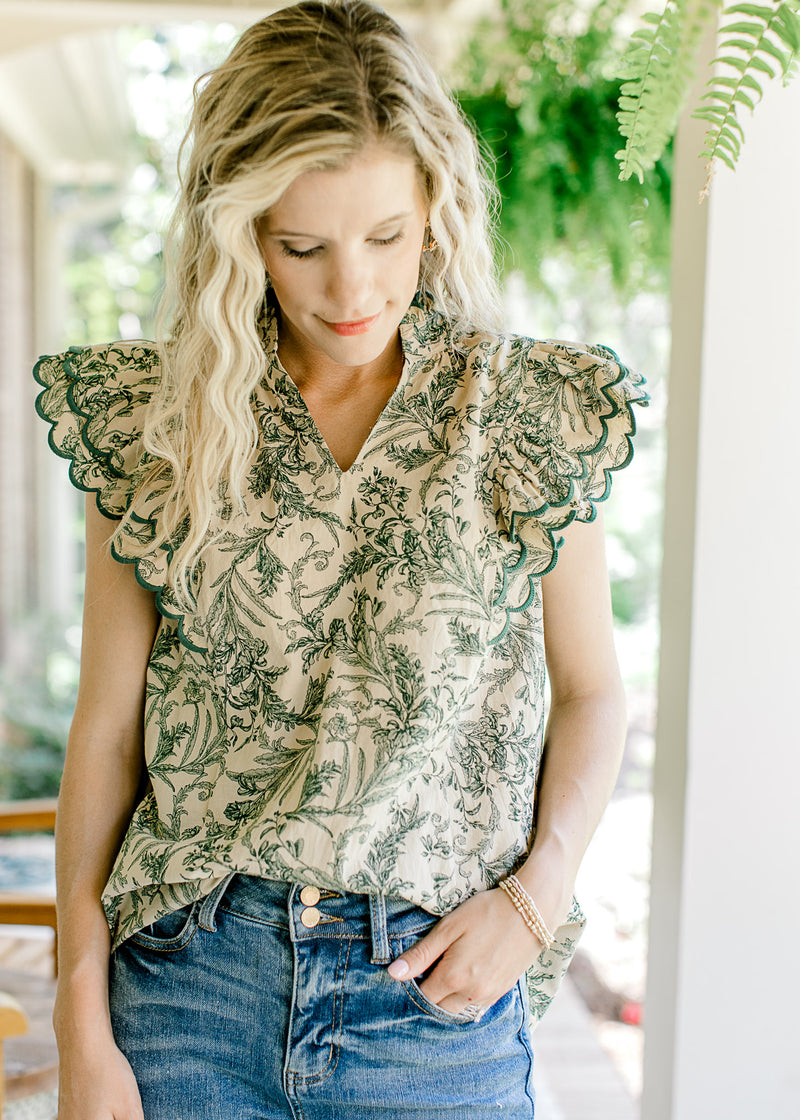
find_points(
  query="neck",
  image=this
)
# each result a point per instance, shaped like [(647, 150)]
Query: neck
[(311, 369)]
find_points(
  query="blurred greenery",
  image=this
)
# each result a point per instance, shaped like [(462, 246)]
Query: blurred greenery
[(37, 699), (112, 277), (536, 78), (114, 269)]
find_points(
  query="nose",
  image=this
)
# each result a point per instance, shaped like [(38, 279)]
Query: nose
[(350, 284)]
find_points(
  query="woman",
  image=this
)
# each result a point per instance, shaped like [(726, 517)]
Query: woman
[(302, 773)]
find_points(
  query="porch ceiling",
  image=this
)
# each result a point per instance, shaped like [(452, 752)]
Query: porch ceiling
[(62, 84), (26, 22), (64, 105)]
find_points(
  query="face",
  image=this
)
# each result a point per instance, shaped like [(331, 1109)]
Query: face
[(342, 249)]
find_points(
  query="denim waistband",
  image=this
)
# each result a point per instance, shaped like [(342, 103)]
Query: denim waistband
[(308, 912)]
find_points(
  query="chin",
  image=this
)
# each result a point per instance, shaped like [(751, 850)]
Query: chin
[(358, 349)]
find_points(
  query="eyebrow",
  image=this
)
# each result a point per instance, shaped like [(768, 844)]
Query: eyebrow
[(316, 237)]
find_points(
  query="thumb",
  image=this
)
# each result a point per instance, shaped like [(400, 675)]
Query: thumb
[(420, 956)]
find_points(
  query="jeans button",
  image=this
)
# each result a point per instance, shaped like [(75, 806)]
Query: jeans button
[(309, 896), (310, 917)]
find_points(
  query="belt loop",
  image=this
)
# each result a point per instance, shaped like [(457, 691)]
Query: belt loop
[(380, 938), (208, 908)]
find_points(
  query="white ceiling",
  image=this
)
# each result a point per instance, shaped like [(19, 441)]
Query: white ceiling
[(62, 85), (25, 22), (64, 106)]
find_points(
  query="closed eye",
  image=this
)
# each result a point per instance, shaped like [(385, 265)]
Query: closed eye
[(389, 240), (299, 254), (307, 254)]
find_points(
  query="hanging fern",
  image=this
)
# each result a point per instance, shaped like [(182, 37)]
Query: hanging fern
[(766, 42), (659, 64), (534, 79)]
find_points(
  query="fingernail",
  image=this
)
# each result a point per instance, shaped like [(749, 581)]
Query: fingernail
[(398, 969)]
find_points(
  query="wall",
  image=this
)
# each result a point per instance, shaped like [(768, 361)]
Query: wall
[(18, 590), (725, 918)]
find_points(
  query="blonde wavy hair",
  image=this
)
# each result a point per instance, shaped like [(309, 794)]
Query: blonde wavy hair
[(305, 89)]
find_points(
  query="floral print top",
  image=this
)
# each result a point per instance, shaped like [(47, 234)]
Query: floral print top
[(357, 699)]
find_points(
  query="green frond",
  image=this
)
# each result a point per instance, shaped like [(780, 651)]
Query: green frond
[(657, 69), (750, 29), (770, 33), (749, 82), (759, 64)]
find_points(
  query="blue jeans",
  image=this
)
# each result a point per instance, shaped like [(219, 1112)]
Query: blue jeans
[(239, 1007)]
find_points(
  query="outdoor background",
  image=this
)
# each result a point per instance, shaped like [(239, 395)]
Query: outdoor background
[(584, 257)]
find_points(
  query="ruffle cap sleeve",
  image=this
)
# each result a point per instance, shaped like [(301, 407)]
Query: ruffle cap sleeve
[(569, 424), (95, 399)]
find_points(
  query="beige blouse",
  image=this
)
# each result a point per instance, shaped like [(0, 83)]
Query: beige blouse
[(357, 700)]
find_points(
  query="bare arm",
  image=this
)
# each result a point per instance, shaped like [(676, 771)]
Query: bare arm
[(586, 727), (483, 946), (101, 779)]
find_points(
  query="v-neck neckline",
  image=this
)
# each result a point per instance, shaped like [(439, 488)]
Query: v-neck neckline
[(270, 340), (320, 438)]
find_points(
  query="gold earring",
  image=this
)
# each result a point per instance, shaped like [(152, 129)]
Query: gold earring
[(430, 243)]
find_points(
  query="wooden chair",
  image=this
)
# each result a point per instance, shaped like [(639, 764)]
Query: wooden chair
[(17, 907), (31, 1063), (12, 1022)]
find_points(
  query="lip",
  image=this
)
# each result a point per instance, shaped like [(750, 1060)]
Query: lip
[(357, 326)]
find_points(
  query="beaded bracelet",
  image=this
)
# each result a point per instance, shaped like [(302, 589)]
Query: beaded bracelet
[(527, 909)]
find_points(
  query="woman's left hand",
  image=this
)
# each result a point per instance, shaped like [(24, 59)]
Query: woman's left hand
[(482, 948)]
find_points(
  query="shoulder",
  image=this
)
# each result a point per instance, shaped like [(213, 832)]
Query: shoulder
[(430, 340), (534, 359), (507, 352), (518, 377)]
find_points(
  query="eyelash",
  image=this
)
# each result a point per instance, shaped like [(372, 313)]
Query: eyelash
[(306, 254)]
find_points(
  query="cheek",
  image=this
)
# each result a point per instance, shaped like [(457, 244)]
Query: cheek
[(279, 267), (284, 282), (272, 262), (411, 264)]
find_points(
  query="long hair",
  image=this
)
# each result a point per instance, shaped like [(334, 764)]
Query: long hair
[(305, 89)]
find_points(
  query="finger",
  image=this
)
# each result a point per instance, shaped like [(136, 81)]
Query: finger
[(421, 956), (445, 992), (455, 1004), (456, 979)]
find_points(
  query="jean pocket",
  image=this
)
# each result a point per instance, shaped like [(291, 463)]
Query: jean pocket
[(169, 933), (412, 988), (432, 1010)]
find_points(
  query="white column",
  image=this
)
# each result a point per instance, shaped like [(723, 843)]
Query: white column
[(724, 967), (16, 393), (57, 502)]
